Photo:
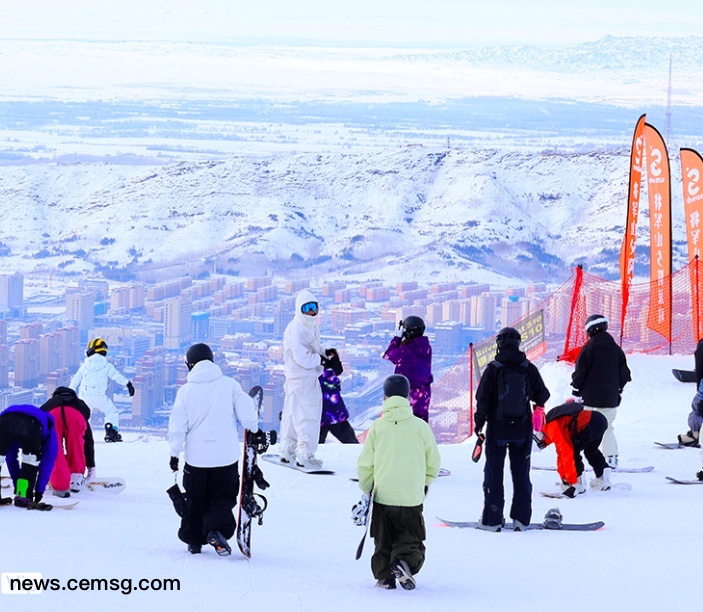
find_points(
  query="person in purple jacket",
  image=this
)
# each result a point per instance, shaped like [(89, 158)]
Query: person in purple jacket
[(30, 429), (335, 416), (412, 355)]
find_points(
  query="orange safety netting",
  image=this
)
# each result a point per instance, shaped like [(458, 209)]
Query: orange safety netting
[(565, 312)]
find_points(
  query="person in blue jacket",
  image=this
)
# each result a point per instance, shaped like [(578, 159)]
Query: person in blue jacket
[(30, 430)]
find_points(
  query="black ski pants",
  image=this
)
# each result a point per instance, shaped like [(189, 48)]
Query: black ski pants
[(344, 432), (519, 452), (588, 440), (211, 495), (398, 533)]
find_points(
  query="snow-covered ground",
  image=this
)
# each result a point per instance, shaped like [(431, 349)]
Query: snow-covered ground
[(303, 555)]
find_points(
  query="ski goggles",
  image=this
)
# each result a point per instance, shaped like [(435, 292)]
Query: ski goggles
[(310, 308)]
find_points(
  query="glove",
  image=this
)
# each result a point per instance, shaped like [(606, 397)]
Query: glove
[(426, 489), (255, 438), (91, 473), (538, 418), (567, 489), (130, 388), (173, 464), (331, 353), (360, 510), (324, 362), (478, 448)]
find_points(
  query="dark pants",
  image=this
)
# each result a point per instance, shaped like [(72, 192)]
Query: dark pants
[(519, 452), (398, 533), (23, 431), (588, 440), (344, 432), (211, 494)]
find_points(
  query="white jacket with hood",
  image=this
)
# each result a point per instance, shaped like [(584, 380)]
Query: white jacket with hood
[(203, 421), (93, 374), (301, 342)]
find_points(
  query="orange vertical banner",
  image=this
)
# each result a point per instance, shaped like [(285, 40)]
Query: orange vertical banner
[(627, 251), (659, 193), (692, 175)]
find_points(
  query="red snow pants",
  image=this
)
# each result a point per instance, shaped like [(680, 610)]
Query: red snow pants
[(70, 430)]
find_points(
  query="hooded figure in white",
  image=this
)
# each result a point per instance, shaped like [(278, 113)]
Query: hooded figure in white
[(302, 406), (92, 379)]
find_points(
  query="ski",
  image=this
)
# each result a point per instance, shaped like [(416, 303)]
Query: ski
[(249, 502), (693, 481), (685, 376), (642, 470), (112, 485), (616, 486), (443, 472), (276, 460), (669, 445), (360, 548), (531, 527)]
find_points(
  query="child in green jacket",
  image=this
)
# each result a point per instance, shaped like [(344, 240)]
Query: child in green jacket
[(399, 460)]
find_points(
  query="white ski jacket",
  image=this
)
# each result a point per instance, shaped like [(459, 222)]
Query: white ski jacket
[(93, 374), (203, 422), (301, 343)]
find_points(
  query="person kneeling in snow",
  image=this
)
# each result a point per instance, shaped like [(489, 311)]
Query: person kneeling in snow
[(573, 429), (399, 460), (695, 420)]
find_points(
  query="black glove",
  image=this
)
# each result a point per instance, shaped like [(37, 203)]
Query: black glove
[(325, 362), (331, 352), (173, 464), (334, 363), (426, 489), (130, 388)]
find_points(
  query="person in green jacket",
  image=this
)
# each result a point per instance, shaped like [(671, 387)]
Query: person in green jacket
[(398, 462)]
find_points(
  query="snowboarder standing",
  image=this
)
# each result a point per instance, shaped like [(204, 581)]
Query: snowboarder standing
[(398, 461), (92, 379), (76, 448), (506, 410), (572, 430), (599, 377), (29, 429), (203, 424), (335, 416), (303, 364), (412, 355)]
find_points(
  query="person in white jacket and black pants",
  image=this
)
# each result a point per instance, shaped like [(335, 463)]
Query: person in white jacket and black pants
[(203, 424)]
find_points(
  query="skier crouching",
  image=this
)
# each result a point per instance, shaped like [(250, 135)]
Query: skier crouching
[(573, 429), (399, 460)]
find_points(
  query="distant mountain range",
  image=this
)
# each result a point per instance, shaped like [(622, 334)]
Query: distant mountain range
[(397, 214)]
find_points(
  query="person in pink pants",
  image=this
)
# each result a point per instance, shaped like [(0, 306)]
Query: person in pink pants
[(70, 461)]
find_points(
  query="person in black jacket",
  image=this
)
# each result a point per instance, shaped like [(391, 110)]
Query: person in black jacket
[(698, 359), (72, 417), (599, 377), (508, 435)]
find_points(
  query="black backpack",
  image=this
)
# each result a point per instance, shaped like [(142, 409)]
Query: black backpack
[(513, 393), (572, 409)]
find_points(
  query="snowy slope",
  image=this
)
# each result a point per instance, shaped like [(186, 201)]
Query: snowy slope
[(303, 555), (521, 215)]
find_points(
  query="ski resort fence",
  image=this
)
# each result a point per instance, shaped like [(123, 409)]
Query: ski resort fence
[(564, 314)]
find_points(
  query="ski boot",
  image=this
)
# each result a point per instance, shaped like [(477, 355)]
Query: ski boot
[(111, 433), (219, 543), (402, 574)]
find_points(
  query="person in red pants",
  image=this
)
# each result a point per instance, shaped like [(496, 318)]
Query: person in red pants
[(75, 441)]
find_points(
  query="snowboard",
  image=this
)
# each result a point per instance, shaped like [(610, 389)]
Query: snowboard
[(109, 484), (685, 376), (360, 548), (616, 486), (693, 481), (249, 508), (622, 470), (532, 526), (670, 445), (275, 459)]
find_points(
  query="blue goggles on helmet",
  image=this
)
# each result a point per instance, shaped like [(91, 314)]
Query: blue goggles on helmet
[(310, 308)]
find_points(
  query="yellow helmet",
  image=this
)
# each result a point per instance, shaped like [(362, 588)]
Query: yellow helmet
[(98, 345)]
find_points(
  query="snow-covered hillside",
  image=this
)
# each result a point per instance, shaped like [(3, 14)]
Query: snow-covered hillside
[(303, 554), (465, 213)]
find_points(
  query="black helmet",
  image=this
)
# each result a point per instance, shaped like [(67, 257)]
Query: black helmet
[(97, 346), (596, 323), (414, 326), (198, 352), (507, 336), (396, 384)]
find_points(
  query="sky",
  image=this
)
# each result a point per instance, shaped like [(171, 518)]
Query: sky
[(303, 554), (421, 23)]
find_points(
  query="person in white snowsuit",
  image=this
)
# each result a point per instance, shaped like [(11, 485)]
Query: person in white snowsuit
[(302, 405), (90, 383), (203, 424)]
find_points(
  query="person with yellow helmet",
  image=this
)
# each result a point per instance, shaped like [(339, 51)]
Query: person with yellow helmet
[(90, 382)]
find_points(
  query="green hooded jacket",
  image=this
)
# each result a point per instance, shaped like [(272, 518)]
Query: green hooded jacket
[(400, 456)]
